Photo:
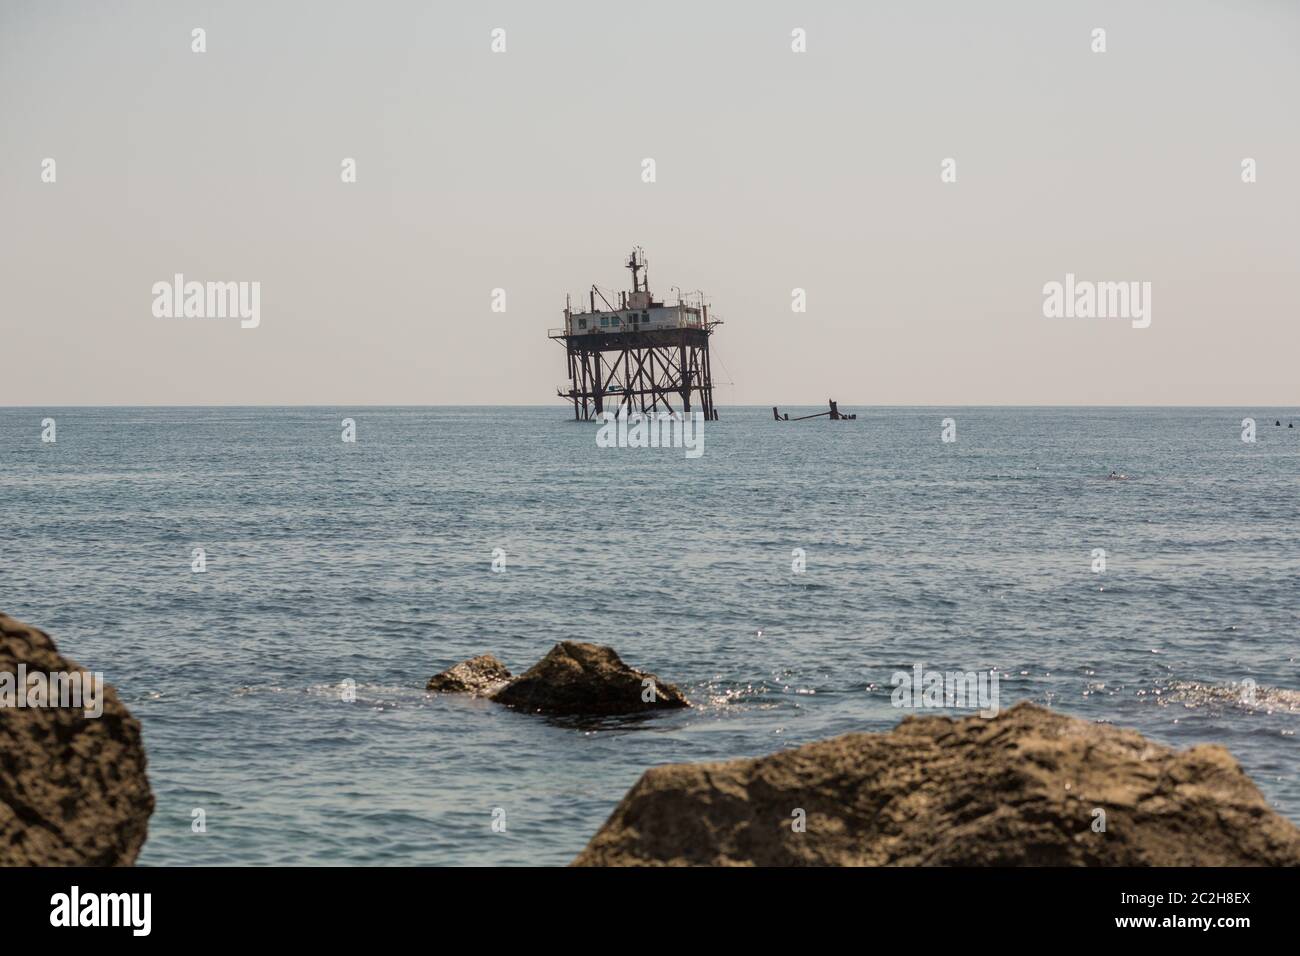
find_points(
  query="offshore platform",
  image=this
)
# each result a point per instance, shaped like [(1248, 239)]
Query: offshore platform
[(641, 355)]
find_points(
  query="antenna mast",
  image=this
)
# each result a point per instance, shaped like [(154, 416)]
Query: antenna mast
[(636, 262)]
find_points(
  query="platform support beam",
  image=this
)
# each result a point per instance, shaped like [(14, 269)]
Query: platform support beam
[(640, 371)]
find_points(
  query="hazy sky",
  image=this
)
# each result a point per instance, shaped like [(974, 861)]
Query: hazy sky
[(775, 170)]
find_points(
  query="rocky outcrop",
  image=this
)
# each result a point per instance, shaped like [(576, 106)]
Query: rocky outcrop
[(573, 679), (576, 678), (1022, 788), (481, 676), (73, 789)]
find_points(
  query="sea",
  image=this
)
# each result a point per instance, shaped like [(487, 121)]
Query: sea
[(269, 600)]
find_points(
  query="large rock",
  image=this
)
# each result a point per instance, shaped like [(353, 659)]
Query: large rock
[(480, 676), (73, 789), (575, 678), (572, 679), (1022, 788)]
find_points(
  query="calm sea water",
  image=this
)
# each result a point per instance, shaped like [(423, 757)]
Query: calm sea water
[(372, 562)]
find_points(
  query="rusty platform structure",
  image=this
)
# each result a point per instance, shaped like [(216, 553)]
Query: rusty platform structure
[(640, 356)]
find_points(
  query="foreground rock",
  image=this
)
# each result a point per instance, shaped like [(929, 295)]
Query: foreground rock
[(1019, 789), (572, 679), (481, 676), (73, 789)]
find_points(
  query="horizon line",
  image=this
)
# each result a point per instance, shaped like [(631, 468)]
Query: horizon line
[(568, 408)]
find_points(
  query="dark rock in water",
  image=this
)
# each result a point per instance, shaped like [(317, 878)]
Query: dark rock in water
[(1022, 788), (480, 676), (73, 790), (587, 679), (573, 679)]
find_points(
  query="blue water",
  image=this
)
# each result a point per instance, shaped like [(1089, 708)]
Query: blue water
[(371, 562)]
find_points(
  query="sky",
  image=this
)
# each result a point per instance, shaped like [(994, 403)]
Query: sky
[(775, 170)]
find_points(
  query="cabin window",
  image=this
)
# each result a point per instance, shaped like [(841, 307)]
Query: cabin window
[(582, 323), (604, 321)]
